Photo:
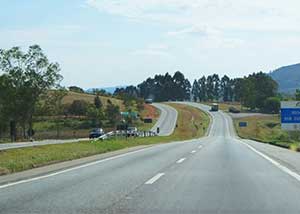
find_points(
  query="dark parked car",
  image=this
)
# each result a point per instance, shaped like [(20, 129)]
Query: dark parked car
[(234, 110), (95, 133)]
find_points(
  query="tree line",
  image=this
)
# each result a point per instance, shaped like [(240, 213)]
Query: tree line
[(159, 88), (255, 91)]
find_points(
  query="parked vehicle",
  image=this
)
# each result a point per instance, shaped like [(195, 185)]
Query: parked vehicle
[(132, 131), (214, 107), (95, 133), (233, 110)]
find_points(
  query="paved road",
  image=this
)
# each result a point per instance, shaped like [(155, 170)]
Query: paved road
[(5, 146), (167, 119), (216, 174)]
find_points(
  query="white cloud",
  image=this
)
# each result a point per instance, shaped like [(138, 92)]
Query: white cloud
[(157, 50), (230, 14)]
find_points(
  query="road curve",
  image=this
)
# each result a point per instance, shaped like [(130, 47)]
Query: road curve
[(215, 174), (167, 120)]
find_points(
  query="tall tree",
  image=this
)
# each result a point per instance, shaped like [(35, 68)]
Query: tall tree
[(203, 89), (97, 102), (210, 88), (195, 91), (28, 76), (297, 94), (225, 88), (216, 87)]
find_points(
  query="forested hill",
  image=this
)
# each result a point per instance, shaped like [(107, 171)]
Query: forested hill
[(288, 78)]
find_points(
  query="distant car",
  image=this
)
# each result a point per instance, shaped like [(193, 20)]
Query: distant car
[(233, 110), (95, 133)]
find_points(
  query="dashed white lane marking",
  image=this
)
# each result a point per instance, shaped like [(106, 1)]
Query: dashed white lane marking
[(155, 178), (180, 160), (70, 169), (194, 151), (278, 165), (200, 147)]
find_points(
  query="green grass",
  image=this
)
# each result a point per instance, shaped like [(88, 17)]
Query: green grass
[(192, 123), (267, 129)]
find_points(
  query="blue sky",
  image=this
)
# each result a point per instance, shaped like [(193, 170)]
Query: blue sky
[(101, 43)]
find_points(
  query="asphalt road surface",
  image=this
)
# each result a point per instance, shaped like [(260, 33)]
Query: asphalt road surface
[(216, 174), (166, 121), (5, 146)]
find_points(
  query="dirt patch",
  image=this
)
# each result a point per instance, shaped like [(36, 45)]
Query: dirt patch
[(149, 111)]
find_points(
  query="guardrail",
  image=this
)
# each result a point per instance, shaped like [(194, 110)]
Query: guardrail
[(126, 134)]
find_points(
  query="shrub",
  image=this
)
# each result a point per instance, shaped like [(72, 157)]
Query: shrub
[(272, 105)]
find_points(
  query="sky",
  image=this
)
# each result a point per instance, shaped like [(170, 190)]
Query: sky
[(101, 43)]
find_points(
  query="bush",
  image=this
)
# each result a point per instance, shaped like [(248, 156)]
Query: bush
[(78, 108), (272, 105)]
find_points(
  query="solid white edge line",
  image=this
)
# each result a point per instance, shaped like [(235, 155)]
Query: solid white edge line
[(278, 165), (181, 160), (155, 178), (70, 169)]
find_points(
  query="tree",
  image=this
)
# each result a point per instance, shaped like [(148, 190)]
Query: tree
[(27, 76), (216, 86), (225, 91), (78, 108), (195, 91), (112, 113), (96, 115), (98, 102), (272, 105), (76, 89), (55, 107), (202, 89), (210, 88), (297, 94)]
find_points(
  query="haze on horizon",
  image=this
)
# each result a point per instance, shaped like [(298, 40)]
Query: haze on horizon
[(101, 43)]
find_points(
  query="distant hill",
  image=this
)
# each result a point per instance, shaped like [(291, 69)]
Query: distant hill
[(288, 78)]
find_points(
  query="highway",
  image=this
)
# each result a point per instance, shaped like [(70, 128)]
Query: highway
[(216, 174), (166, 123)]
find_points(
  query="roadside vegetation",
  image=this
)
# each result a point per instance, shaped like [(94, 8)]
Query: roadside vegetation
[(34, 106), (267, 129), (191, 123)]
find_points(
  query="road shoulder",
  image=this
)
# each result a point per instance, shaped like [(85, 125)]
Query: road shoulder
[(40, 171)]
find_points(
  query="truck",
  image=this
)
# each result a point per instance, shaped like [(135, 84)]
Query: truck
[(214, 107), (149, 101)]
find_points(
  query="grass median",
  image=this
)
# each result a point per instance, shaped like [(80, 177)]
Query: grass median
[(191, 123), (267, 129)]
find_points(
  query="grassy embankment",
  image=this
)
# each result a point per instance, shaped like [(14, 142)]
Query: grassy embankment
[(267, 129), (192, 123)]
